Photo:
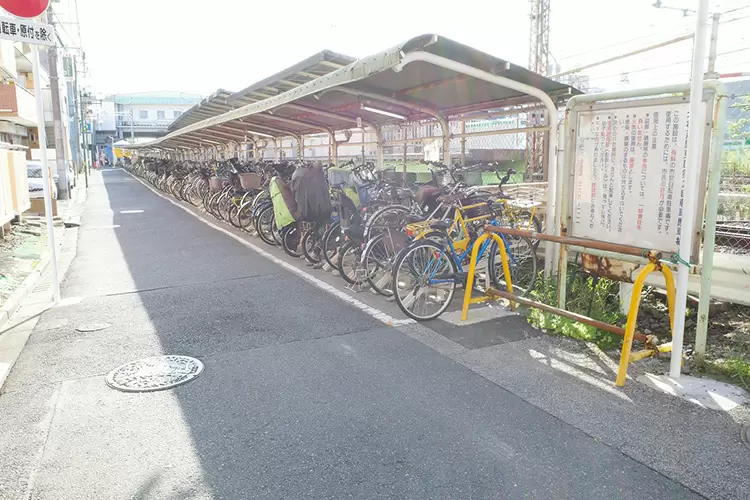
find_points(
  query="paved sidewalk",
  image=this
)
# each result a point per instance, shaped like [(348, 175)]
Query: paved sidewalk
[(306, 396)]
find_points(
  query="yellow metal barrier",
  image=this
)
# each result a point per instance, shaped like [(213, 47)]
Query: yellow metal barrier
[(635, 302), (472, 272), (628, 333)]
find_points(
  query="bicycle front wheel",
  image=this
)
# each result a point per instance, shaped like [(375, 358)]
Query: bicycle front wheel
[(424, 280)]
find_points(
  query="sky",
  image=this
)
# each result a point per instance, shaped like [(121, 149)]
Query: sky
[(146, 45)]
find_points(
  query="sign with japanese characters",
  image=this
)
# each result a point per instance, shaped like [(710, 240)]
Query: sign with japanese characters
[(630, 167), (20, 30)]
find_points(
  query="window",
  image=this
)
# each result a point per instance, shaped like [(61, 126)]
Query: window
[(143, 114), (160, 115), (177, 114)]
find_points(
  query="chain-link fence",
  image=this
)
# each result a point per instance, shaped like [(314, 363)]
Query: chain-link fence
[(733, 227)]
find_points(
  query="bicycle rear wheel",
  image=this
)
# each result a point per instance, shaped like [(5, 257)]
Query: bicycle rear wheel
[(290, 240), (525, 220), (424, 280), (378, 258), (264, 225), (312, 244), (522, 262), (348, 264), (332, 241)]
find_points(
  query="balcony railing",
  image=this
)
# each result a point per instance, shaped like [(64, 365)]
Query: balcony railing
[(17, 101), (143, 124)]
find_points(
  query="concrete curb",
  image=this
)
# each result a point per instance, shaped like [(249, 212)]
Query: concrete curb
[(24, 290)]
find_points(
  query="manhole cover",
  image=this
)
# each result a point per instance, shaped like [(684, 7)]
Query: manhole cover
[(154, 374), (92, 327), (745, 434)]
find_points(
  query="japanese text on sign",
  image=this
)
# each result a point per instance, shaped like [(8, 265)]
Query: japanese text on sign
[(20, 30), (630, 169)]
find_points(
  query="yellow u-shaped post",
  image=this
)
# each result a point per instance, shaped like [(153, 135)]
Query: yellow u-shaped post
[(627, 342), (472, 272), (671, 294), (473, 269)]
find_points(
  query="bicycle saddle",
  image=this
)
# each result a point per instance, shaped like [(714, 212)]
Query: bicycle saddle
[(451, 198), (442, 225), (412, 218)]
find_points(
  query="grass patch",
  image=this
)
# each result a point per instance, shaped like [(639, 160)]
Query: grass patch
[(735, 369), (597, 299)]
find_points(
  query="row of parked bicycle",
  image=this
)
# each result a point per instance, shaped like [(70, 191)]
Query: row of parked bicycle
[(409, 242)]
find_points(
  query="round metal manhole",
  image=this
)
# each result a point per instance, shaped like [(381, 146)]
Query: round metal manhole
[(92, 327), (154, 374), (745, 434)]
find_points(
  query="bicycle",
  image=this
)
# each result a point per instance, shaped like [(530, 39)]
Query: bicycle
[(427, 272)]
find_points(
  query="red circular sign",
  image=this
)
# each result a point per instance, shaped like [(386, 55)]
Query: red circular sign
[(25, 8)]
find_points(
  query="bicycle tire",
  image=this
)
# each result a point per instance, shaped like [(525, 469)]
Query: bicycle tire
[(405, 271), (245, 216), (264, 225), (535, 225), (290, 240), (347, 271), (232, 214), (311, 245), (332, 241), (522, 261), (378, 258)]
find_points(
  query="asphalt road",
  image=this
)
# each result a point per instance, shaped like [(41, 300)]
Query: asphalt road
[(303, 395)]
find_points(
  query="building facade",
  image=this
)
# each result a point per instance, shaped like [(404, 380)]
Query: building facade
[(137, 117)]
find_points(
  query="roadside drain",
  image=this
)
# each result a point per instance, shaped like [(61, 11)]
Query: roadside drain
[(154, 374), (92, 327)]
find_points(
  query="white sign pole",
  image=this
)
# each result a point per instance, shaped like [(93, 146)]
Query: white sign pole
[(695, 139), (45, 172)]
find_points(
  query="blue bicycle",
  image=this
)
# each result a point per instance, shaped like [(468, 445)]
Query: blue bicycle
[(427, 272)]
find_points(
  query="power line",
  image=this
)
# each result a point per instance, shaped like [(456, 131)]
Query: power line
[(617, 44), (685, 28), (667, 65)]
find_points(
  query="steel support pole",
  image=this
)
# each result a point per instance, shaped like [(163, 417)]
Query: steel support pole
[(463, 142), (695, 138), (709, 235), (45, 173)]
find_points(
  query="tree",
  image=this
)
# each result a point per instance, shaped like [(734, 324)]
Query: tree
[(740, 128)]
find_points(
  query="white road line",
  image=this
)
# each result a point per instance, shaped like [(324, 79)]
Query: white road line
[(372, 311)]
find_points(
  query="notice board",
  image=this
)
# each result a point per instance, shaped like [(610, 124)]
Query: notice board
[(629, 175)]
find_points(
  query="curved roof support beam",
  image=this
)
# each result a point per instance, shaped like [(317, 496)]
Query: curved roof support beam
[(223, 135), (243, 130), (300, 139), (291, 121), (409, 105), (327, 114), (259, 127), (479, 74)]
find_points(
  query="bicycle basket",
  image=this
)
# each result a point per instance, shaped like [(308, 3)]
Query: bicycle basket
[(475, 211), (251, 180)]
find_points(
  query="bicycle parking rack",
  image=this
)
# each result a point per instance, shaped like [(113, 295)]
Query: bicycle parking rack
[(653, 263)]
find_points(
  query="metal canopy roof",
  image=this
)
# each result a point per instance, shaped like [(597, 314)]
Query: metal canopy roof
[(223, 100), (418, 91), (213, 105)]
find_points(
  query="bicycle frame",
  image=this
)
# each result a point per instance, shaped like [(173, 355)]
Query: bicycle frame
[(459, 258)]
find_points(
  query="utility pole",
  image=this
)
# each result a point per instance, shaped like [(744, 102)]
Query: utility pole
[(61, 159), (84, 122), (538, 63), (711, 73)]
